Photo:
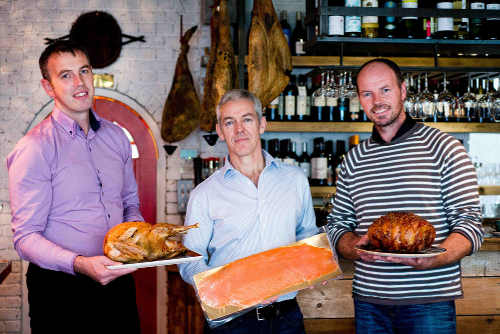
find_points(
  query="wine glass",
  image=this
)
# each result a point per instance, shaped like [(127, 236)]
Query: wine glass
[(426, 102), (468, 101), (485, 104), (411, 101), (445, 103)]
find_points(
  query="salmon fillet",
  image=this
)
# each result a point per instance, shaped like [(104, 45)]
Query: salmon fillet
[(251, 280)]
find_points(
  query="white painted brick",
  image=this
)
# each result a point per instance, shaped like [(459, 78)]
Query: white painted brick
[(10, 314), (171, 185), (10, 290), (172, 197), (12, 326), (10, 302), (175, 219), (172, 208)]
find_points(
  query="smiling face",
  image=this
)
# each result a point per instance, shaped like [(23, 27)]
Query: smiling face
[(241, 128), (71, 83), (382, 97)]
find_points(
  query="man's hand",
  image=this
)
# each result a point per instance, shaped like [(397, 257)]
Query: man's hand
[(95, 268)]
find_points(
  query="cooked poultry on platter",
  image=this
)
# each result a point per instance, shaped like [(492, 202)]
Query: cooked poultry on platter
[(401, 232), (140, 241)]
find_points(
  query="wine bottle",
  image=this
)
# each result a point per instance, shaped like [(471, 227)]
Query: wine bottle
[(288, 155), (445, 24), (353, 23), (272, 110), (285, 26), (409, 27), (301, 99), (319, 164), (389, 30), (353, 141), (369, 24), (318, 99), (299, 37), (336, 22), (330, 172), (331, 97), (343, 100), (290, 93), (492, 23), (305, 161), (476, 23), (339, 157)]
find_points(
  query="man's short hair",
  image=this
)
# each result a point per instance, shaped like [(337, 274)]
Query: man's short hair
[(60, 46), (238, 94), (392, 65)]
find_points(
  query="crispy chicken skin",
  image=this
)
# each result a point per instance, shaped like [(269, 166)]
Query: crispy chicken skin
[(140, 241), (401, 232)]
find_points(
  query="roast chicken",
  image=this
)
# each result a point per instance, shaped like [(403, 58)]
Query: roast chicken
[(401, 232), (131, 242)]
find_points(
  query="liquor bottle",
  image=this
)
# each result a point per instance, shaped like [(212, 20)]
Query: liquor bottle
[(343, 100), (336, 22), (319, 164), (290, 93), (389, 29), (354, 114), (299, 37), (305, 161), (272, 110), (331, 97), (339, 157), (353, 141), (369, 24), (445, 24), (301, 99), (409, 27), (353, 23), (287, 30), (476, 23), (318, 99), (461, 25), (330, 172), (492, 23)]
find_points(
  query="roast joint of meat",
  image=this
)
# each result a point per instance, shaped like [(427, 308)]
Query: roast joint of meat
[(131, 242), (401, 232)]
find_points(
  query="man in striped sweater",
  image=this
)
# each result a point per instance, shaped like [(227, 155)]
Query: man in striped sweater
[(404, 166)]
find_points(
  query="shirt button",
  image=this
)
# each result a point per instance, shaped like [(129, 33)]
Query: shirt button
[(109, 216)]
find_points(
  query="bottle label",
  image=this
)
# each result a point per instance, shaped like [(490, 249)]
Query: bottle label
[(299, 47), (409, 4), (281, 106), (354, 105), (352, 24), (319, 167), (445, 23), (319, 101), (493, 6), (331, 101), (301, 105), (477, 5), (335, 25), (289, 105)]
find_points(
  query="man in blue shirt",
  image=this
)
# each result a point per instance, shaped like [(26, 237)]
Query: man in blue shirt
[(252, 204)]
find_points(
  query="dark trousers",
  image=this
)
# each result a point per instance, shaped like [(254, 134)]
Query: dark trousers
[(63, 303), (431, 318), (286, 321)]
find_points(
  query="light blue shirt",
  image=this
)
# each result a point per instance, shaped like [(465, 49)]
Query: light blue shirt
[(238, 219)]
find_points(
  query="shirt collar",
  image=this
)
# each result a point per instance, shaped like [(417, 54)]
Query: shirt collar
[(405, 127), (70, 125), (228, 168)]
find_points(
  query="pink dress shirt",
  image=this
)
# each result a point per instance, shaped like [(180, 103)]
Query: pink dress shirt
[(67, 189)]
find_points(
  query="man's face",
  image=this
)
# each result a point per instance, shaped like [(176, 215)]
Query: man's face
[(380, 95), (71, 82), (239, 126)]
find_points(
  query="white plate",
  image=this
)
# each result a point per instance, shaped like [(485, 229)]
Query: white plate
[(433, 251), (188, 257)]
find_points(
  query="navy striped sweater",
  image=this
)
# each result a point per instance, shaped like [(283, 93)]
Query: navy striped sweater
[(424, 171)]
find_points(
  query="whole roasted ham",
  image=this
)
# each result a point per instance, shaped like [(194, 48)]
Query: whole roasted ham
[(222, 74), (269, 57), (130, 242), (181, 114)]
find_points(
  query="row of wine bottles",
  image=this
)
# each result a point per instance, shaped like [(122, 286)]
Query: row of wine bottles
[(409, 26), (332, 97), (321, 166)]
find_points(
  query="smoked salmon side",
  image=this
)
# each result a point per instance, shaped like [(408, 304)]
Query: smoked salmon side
[(251, 280)]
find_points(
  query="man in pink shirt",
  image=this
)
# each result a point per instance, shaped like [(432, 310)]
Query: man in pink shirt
[(71, 180)]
